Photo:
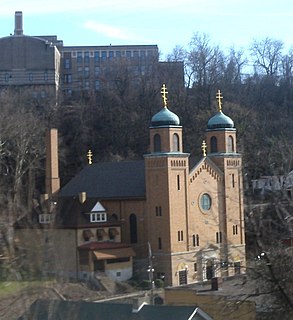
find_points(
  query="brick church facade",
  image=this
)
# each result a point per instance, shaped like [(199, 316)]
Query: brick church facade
[(185, 222)]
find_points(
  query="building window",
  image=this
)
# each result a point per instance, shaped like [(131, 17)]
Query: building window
[(118, 54), (205, 202), (111, 55), (113, 232), (219, 237), (178, 182), (233, 180), (214, 145), (195, 267), (158, 211), (46, 218), (97, 56), (180, 235), (86, 72), (98, 217), (87, 235), (100, 234), (114, 217), (230, 144), (86, 57), (195, 240), (79, 57), (157, 143), (175, 142), (46, 76), (128, 54), (104, 55), (97, 71), (160, 243), (235, 229), (67, 78), (67, 63), (133, 228), (30, 77)]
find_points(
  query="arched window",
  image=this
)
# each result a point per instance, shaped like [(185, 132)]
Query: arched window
[(114, 217), (230, 144), (160, 243), (157, 143), (175, 142), (214, 144), (133, 228)]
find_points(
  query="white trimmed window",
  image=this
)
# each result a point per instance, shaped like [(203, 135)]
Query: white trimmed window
[(98, 217)]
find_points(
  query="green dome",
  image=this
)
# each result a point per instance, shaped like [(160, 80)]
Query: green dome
[(220, 121), (165, 118)]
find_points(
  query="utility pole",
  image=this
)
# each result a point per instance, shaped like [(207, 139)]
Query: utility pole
[(150, 271)]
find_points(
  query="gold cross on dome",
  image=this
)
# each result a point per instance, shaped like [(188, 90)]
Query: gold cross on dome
[(204, 148), (90, 157), (164, 93), (219, 98)]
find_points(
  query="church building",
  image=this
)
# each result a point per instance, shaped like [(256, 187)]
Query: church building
[(184, 224)]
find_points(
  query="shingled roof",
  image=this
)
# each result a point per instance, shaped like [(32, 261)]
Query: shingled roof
[(109, 180), (44, 309)]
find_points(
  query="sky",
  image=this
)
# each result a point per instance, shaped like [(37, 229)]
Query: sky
[(166, 23)]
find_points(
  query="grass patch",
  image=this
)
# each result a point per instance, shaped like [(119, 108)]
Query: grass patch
[(13, 287)]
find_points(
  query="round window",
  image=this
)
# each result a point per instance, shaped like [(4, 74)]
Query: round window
[(205, 202)]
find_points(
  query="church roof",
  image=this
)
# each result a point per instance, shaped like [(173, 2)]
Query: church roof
[(165, 117), (108, 180), (43, 309), (220, 121)]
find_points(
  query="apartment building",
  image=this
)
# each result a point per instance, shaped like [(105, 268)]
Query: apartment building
[(92, 68), (50, 69)]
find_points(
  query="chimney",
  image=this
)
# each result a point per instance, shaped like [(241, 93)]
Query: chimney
[(52, 170), (18, 31)]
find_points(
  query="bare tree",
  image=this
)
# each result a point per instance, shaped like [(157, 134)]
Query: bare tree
[(267, 56), (22, 151)]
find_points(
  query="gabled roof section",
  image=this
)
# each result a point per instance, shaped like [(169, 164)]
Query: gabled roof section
[(208, 165), (98, 208), (108, 180)]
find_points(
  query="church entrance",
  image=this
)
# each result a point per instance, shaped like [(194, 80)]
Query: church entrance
[(210, 272), (182, 277)]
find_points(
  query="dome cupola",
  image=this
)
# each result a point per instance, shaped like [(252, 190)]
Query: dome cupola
[(220, 120), (165, 117)]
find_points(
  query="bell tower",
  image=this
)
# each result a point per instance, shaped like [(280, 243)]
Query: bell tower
[(221, 149), (167, 191)]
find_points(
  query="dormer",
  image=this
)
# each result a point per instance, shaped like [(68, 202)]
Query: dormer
[(98, 213)]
